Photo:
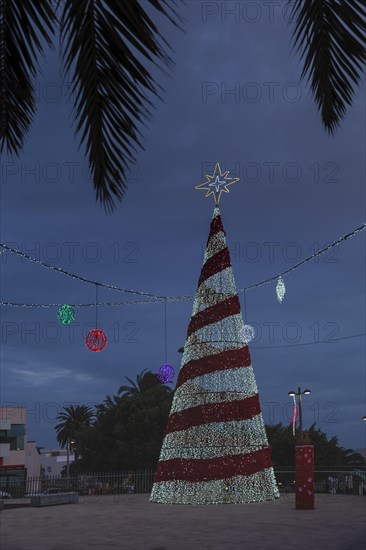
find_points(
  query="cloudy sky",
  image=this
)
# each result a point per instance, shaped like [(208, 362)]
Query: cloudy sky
[(235, 97)]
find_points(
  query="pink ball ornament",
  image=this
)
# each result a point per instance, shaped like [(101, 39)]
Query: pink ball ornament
[(96, 340)]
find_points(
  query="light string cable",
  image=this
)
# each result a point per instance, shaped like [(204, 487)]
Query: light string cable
[(154, 297), (80, 277), (245, 307), (96, 305), (112, 304), (165, 334), (308, 259)]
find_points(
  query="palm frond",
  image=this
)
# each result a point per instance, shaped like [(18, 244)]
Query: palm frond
[(103, 42), (330, 36), (127, 391), (23, 25), (72, 419)]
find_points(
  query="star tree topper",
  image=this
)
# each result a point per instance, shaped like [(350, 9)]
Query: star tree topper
[(217, 183)]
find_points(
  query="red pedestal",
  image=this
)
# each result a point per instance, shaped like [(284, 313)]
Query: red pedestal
[(304, 477)]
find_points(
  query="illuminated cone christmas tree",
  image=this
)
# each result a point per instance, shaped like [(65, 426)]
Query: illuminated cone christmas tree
[(215, 448)]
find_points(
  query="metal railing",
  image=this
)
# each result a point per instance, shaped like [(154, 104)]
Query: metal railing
[(98, 483), (350, 481), (332, 480)]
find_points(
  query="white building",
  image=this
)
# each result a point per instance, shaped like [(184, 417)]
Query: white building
[(53, 460), (13, 441), (21, 459)]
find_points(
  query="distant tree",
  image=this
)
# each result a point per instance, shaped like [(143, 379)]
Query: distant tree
[(141, 426), (282, 442), (73, 420), (97, 442), (144, 382), (128, 430), (327, 452)]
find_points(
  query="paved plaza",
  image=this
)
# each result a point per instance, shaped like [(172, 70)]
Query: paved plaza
[(130, 522)]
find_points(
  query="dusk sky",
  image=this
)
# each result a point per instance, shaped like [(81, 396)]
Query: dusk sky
[(235, 97)]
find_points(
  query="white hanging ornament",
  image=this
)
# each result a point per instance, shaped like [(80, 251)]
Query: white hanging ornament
[(247, 333), (280, 289)]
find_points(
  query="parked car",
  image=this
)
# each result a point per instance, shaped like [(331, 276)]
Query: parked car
[(3, 494)]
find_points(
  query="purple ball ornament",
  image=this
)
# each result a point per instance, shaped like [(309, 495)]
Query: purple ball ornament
[(166, 373)]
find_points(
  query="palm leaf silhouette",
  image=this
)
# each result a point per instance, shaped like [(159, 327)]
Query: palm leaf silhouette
[(330, 36), (103, 42), (108, 49), (22, 26)]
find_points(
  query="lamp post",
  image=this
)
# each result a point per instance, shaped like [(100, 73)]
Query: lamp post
[(299, 394), (67, 457), (68, 449), (364, 418)]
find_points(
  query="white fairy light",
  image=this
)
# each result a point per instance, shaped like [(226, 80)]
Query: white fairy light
[(247, 333), (280, 289)]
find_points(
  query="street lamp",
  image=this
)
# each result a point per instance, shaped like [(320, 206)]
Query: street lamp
[(299, 393), (68, 449), (364, 418)]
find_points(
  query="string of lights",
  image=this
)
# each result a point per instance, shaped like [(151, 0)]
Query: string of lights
[(113, 304), (154, 297), (77, 277), (308, 259)]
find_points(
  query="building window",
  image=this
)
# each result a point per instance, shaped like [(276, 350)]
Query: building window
[(16, 437)]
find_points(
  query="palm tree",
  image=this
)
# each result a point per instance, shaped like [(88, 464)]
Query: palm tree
[(72, 421), (144, 383), (108, 49)]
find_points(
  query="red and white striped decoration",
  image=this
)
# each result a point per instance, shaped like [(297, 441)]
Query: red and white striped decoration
[(215, 448)]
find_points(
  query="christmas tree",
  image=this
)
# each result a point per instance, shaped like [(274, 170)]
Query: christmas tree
[(215, 448)]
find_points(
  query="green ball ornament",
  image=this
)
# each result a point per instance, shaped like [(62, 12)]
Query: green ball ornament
[(66, 314)]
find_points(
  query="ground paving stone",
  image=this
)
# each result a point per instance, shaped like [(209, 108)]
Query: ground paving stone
[(129, 522)]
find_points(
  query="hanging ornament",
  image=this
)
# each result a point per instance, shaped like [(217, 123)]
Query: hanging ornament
[(96, 340), (280, 289), (66, 314), (166, 373), (247, 333)]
